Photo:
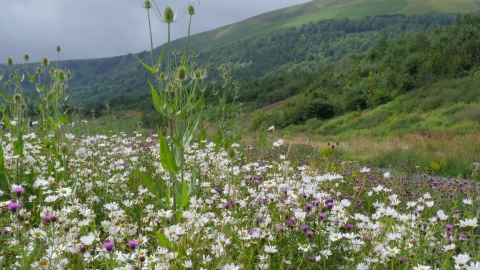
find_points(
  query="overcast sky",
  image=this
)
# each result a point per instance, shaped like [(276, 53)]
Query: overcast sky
[(102, 28)]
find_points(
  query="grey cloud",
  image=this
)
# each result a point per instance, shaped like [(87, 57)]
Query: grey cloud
[(104, 28)]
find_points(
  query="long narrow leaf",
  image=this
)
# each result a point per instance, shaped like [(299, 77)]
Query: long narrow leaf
[(157, 101), (152, 70), (150, 185), (166, 156)]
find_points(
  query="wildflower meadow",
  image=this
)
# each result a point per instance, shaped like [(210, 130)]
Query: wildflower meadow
[(75, 198)]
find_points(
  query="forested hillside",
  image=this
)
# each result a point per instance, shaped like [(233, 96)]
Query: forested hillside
[(374, 78)]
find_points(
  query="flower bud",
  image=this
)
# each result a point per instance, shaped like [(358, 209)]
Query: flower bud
[(26, 57), (168, 15), (169, 87), (9, 61), (58, 48)]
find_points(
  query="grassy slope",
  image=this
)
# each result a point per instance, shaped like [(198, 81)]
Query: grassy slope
[(437, 127), (319, 10)]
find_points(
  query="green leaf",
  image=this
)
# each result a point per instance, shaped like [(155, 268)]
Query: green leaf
[(63, 119), (152, 70), (150, 185), (7, 98), (157, 101), (202, 137), (166, 156), (162, 240), (52, 121), (6, 121), (185, 198), (18, 146)]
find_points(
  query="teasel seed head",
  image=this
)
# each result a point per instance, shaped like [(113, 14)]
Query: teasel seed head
[(26, 100), (49, 96), (9, 61), (52, 70), (191, 10), (147, 4), (64, 149), (26, 57), (60, 75), (169, 87), (17, 98), (68, 75), (39, 70), (44, 62), (181, 74), (57, 87), (58, 48), (162, 77), (168, 15)]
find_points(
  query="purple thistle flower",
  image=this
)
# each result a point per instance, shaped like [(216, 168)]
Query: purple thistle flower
[(304, 227), (18, 190), (281, 228), (448, 227), (309, 234), (133, 244), (47, 219), (308, 207), (321, 215), (13, 206), (108, 245)]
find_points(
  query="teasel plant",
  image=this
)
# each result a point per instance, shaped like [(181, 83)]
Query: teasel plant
[(50, 101), (177, 93)]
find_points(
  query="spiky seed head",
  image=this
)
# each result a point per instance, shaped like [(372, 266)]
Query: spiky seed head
[(17, 71), (44, 62), (64, 149), (52, 70), (57, 87), (26, 57), (169, 87), (162, 77), (58, 48), (175, 85), (9, 61), (225, 75), (200, 74), (49, 96), (11, 76), (60, 75), (26, 99), (147, 4), (191, 10), (194, 55), (68, 75), (17, 89), (39, 70), (168, 15), (175, 52), (17, 98), (23, 106), (181, 74)]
